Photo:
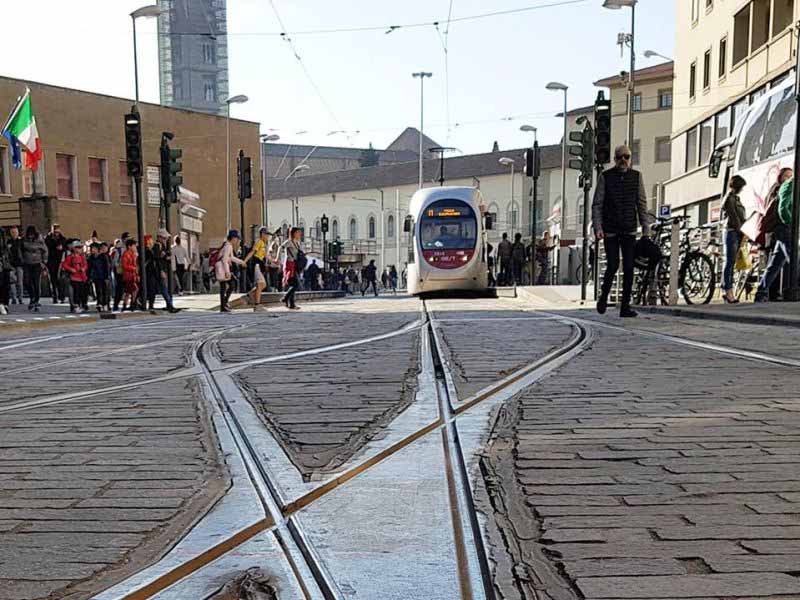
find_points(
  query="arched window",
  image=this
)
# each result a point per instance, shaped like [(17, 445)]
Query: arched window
[(335, 229), (512, 220), (284, 230), (302, 226), (318, 229), (372, 233), (353, 228), (390, 227)]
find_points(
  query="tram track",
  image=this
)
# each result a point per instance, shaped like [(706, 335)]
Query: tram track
[(281, 517)]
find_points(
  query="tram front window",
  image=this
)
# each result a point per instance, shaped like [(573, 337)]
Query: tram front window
[(448, 225)]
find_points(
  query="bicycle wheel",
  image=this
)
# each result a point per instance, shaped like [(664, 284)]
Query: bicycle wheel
[(697, 279)]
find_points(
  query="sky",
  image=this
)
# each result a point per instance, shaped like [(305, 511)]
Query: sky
[(360, 82)]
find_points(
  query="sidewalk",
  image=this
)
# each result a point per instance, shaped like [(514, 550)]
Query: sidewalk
[(785, 314)]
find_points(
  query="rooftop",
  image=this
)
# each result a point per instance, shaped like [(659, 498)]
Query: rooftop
[(661, 71)]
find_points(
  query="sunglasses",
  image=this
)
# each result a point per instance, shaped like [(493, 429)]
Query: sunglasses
[(621, 156)]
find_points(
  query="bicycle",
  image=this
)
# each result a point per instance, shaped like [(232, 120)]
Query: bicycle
[(696, 275)]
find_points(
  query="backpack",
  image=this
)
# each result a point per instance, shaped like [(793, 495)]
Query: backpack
[(213, 259), (301, 261)]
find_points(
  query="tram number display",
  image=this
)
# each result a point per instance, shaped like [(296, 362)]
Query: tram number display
[(443, 213)]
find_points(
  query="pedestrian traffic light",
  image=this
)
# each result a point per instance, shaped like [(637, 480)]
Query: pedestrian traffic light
[(244, 177), (133, 143), (533, 161), (602, 124), (171, 168), (583, 150)]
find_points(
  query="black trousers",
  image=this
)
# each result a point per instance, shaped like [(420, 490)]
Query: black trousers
[(119, 289), (288, 297), (225, 290), (102, 291), (5, 287), (614, 245), (56, 288), (80, 294), (180, 272), (34, 275)]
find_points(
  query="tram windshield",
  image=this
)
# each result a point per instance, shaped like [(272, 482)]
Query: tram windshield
[(448, 225)]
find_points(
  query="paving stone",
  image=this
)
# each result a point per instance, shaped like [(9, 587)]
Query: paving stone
[(625, 566), (688, 586)]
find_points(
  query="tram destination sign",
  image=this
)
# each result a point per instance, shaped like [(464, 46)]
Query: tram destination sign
[(445, 212)]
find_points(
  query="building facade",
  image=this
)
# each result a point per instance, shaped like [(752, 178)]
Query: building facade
[(84, 169), (727, 55), (193, 54), (366, 207), (651, 148)]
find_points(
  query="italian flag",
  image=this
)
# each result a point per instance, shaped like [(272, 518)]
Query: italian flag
[(21, 132)]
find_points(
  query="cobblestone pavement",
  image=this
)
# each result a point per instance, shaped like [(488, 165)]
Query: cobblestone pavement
[(647, 469), (329, 405), (91, 489)]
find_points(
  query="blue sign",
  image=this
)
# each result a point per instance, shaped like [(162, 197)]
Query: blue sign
[(665, 211)]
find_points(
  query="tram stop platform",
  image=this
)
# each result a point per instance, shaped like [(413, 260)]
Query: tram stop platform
[(786, 314), (274, 298)]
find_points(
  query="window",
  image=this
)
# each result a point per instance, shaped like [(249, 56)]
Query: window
[(738, 111), (371, 228), (761, 22), (709, 5), (706, 139), (209, 53), (722, 122), (390, 227), (750, 145), (692, 80), (512, 216), (691, 148), (707, 69), (757, 94), (335, 229), (781, 121), (636, 152), (353, 230), (655, 191), (663, 149), (637, 103), (695, 10), (782, 18), (665, 99), (177, 86), (30, 177), (318, 229), (125, 184), (5, 188), (209, 89), (723, 57), (741, 34), (447, 225), (97, 180), (65, 173)]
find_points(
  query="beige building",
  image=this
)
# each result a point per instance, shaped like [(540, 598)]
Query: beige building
[(652, 107), (728, 53), (83, 172)]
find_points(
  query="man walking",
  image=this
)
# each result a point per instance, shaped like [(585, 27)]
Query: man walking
[(161, 255), (17, 270), (56, 252), (517, 258), (181, 256), (370, 278), (781, 241), (619, 206), (504, 254)]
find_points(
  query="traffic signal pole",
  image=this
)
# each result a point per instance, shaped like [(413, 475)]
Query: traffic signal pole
[(794, 292), (133, 153)]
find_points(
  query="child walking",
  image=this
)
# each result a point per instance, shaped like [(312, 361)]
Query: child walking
[(78, 268)]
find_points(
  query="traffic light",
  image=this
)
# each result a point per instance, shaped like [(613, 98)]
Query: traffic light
[(244, 176), (583, 151), (171, 168), (533, 161), (133, 143), (602, 124), (324, 224)]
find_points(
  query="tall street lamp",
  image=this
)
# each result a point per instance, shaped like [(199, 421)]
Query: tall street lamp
[(652, 53), (144, 12), (509, 162), (296, 212), (421, 75), (616, 5), (240, 99), (534, 177), (264, 139), (556, 86)]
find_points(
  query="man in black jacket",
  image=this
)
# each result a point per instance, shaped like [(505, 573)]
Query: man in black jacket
[(619, 207), (56, 250)]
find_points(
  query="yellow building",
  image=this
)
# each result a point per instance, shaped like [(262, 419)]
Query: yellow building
[(727, 54)]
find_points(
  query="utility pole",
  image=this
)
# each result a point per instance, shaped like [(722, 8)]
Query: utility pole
[(421, 75), (794, 292)]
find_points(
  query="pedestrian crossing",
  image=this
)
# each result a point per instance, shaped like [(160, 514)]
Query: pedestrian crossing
[(8, 320)]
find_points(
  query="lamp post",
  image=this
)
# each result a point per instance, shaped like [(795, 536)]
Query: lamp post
[(264, 139), (652, 53), (534, 197), (144, 12), (296, 210), (509, 162), (556, 86), (616, 5), (422, 75), (240, 99)]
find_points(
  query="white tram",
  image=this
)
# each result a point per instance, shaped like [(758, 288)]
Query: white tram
[(449, 241)]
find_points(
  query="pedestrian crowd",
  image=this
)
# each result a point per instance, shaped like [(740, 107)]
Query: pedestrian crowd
[(74, 270), (514, 263)]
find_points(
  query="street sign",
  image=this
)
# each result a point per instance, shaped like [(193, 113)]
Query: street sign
[(665, 211)]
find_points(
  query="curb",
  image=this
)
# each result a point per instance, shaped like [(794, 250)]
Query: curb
[(731, 317), (50, 322)]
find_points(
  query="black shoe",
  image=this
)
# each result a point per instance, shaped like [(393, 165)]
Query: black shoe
[(626, 312), (602, 305), (172, 310), (225, 309)]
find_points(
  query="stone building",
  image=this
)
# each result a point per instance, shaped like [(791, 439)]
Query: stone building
[(83, 172)]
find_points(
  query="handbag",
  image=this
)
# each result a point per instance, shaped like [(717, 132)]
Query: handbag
[(743, 262)]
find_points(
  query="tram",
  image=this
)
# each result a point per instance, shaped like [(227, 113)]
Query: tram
[(449, 241)]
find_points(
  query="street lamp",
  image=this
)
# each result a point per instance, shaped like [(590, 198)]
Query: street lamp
[(240, 99), (422, 75), (556, 86), (144, 12), (616, 5), (296, 211), (509, 162), (652, 53), (529, 129), (266, 137)]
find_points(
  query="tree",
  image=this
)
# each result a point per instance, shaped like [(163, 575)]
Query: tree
[(369, 157)]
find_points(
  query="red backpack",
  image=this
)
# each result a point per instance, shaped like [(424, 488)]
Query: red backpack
[(213, 259)]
